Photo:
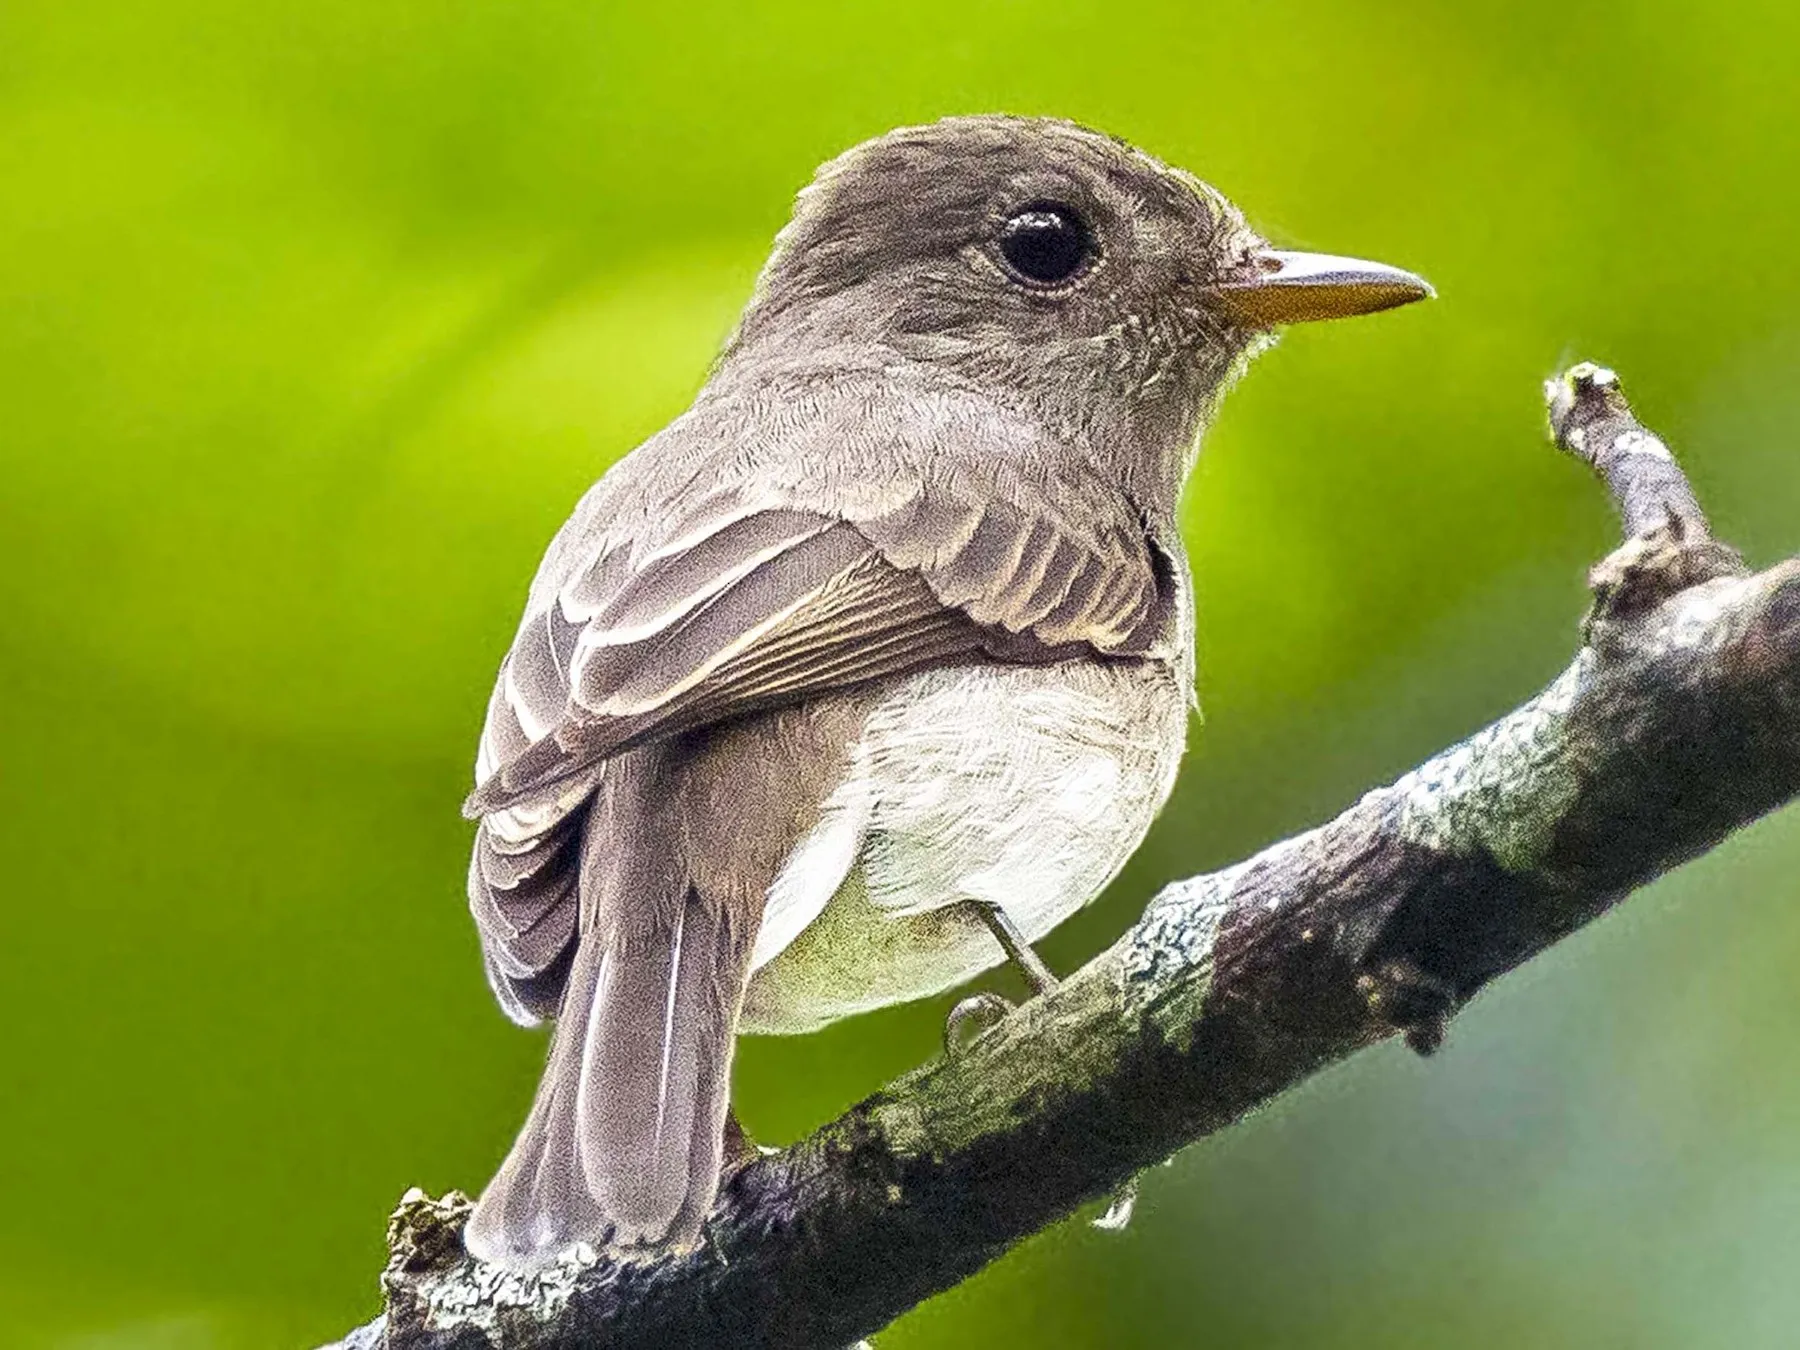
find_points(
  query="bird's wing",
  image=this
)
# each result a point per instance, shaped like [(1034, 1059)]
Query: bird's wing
[(760, 607)]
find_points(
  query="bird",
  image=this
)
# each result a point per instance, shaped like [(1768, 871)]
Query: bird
[(877, 662)]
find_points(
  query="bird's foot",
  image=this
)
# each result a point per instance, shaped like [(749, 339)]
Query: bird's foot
[(971, 1017)]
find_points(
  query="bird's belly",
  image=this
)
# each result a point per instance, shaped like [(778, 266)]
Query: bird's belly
[(1026, 787)]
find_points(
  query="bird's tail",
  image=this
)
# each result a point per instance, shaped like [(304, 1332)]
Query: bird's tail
[(623, 1144)]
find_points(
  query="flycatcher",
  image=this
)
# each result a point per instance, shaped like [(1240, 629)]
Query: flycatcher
[(876, 663)]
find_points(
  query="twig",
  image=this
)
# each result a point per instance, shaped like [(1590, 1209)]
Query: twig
[(1668, 544), (1677, 722)]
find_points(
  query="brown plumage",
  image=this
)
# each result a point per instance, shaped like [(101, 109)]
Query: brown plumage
[(919, 478)]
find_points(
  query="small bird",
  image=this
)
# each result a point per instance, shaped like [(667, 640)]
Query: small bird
[(875, 664)]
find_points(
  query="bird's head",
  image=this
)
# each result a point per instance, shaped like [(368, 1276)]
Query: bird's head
[(1109, 295)]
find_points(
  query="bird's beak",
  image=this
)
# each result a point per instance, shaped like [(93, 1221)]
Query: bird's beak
[(1300, 287)]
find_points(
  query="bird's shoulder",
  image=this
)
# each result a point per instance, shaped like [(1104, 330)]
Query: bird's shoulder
[(871, 442)]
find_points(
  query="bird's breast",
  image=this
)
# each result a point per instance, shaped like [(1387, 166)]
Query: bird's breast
[(1022, 786)]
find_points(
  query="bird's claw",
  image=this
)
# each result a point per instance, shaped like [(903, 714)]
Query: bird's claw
[(980, 1010)]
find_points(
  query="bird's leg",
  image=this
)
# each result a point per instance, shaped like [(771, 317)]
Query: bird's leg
[(1042, 980), (987, 1007), (1038, 975)]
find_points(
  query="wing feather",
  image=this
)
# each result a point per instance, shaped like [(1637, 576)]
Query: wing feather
[(773, 606)]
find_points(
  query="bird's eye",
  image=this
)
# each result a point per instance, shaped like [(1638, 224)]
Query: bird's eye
[(1046, 245)]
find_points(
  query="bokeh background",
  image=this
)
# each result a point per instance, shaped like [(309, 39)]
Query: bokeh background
[(317, 315)]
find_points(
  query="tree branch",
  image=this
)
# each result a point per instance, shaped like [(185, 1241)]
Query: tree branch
[(1677, 722)]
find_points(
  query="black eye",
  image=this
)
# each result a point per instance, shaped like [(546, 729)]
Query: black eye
[(1046, 245)]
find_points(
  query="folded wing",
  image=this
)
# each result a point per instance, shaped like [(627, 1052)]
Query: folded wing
[(775, 605)]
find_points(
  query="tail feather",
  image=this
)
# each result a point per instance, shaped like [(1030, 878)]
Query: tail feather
[(671, 873), (656, 1076), (624, 1142), (536, 1206)]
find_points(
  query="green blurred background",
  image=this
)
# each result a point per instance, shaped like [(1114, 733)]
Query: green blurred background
[(316, 317)]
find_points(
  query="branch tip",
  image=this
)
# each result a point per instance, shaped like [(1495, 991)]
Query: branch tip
[(1668, 543), (424, 1233), (1579, 397)]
